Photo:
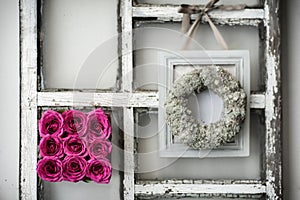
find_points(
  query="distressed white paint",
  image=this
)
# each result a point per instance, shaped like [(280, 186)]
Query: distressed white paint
[(127, 64), (28, 181), (192, 188), (28, 132), (273, 102), (200, 188), (140, 99), (137, 99), (250, 3), (257, 101), (127, 79), (129, 164), (170, 13)]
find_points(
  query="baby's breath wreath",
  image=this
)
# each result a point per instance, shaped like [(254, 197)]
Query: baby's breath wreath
[(186, 127)]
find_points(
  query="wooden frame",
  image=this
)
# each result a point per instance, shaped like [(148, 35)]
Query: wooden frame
[(269, 100), (28, 92), (200, 189), (237, 62)]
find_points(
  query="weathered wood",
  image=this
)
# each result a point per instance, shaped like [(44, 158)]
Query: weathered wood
[(251, 17), (199, 189), (257, 101), (129, 164), (137, 99), (273, 101), (140, 99), (200, 181), (190, 188), (28, 110), (199, 196), (127, 61), (127, 80)]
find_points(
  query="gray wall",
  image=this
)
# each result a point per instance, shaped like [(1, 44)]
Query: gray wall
[(9, 103), (9, 107), (291, 107)]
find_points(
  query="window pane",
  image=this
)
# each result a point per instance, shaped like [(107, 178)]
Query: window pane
[(153, 167), (152, 39), (81, 190), (79, 47)]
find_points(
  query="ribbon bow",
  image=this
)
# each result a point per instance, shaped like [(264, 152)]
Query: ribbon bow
[(187, 10)]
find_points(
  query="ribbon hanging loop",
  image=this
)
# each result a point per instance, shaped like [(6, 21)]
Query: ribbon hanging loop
[(203, 11)]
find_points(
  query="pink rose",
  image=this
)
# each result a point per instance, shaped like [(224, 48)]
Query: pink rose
[(51, 123), (98, 125), (74, 146), (51, 146), (74, 122), (50, 169), (99, 170), (99, 149), (74, 168)]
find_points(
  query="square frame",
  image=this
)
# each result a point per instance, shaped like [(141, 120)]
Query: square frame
[(237, 63)]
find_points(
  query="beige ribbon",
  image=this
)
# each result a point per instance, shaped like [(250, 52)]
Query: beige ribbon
[(203, 11)]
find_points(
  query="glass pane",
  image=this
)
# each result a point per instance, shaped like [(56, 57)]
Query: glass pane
[(178, 2), (79, 44), (90, 191), (152, 39), (153, 167)]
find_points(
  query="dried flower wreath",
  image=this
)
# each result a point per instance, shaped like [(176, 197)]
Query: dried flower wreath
[(206, 136)]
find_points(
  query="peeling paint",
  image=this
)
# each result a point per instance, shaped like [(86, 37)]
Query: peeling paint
[(270, 100), (136, 99), (250, 17), (273, 102), (28, 86), (200, 188)]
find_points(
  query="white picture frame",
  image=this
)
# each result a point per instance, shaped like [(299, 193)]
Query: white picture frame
[(237, 63)]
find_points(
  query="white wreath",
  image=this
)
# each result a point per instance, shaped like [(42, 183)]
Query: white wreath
[(186, 127)]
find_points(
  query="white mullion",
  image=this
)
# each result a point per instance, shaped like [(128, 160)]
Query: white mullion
[(129, 164), (170, 13), (127, 64), (28, 112), (257, 101), (137, 99), (273, 168), (127, 79), (80, 99), (168, 188)]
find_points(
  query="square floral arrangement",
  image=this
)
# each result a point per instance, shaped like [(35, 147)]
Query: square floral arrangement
[(74, 146)]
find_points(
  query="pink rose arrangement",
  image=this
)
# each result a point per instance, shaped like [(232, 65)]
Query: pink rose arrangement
[(75, 146)]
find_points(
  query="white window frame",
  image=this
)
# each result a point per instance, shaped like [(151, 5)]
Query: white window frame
[(271, 184)]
